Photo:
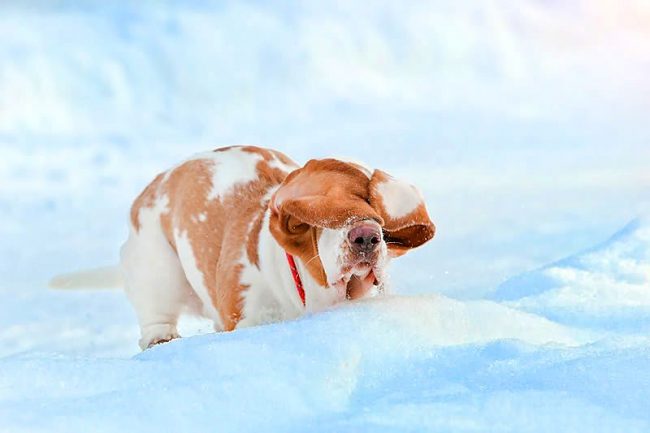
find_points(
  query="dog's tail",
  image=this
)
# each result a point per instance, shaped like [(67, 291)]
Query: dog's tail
[(109, 277)]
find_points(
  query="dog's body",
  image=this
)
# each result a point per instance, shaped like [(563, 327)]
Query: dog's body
[(213, 235)]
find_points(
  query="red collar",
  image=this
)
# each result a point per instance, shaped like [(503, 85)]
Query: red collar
[(296, 277)]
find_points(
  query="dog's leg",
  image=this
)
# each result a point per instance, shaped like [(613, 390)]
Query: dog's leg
[(154, 281)]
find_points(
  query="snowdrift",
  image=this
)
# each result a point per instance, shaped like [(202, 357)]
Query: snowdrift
[(606, 287), (387, 364), (396, 363)]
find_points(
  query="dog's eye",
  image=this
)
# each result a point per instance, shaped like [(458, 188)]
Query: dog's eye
[(295, 226)]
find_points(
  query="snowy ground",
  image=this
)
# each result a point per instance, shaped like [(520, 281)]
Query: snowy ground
[(524, 124), (399, 363)]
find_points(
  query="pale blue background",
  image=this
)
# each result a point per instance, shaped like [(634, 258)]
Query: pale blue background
[(524, 123)]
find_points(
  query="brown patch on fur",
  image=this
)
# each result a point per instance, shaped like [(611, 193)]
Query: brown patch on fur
[(147, 198), (326, 193), (313, 264), (229, 295), (225, 148), (267, 155), (253, 240), (365, 170)]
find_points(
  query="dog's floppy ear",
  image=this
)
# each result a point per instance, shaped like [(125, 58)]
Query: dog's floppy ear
[(324, 193), (406, 221), (327, 212)]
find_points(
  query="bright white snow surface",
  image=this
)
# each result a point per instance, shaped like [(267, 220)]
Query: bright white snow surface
[(523, 123)]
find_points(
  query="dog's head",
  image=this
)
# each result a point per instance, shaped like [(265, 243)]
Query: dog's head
[(344, 222)]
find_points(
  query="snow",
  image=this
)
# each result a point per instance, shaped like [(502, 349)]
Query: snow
[(524, 125), (606, 287), (388, 364)]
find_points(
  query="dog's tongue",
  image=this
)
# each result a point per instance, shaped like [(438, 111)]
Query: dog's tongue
[(357, 287)]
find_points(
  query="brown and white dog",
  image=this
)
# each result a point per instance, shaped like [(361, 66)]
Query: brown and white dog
[(244, 236)]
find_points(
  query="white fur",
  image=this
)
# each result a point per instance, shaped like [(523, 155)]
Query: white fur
[(276, 163), (399, 197), (154, 279), (330, 249), (317, 298), (272, 294), (232, 167), (269, 297), (195, 278)]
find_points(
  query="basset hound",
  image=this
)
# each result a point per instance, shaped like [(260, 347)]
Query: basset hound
[(244, 236)]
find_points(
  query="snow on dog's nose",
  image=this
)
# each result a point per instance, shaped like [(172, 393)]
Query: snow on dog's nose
[(365, 237)]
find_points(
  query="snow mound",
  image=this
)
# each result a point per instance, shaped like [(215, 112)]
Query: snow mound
[(355, 365), (609, 281)]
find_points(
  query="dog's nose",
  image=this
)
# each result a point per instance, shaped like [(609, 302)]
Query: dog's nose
[(364, 238)]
